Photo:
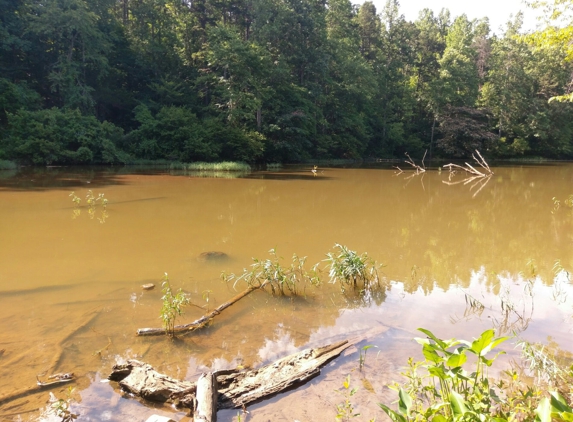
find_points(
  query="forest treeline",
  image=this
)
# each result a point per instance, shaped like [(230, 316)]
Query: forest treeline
[(113, 81)]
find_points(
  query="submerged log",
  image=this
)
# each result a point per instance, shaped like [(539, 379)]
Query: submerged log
[(201, 322), (235, 389)]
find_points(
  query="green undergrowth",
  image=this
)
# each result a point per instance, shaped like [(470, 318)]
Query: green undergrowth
[(354, 273), (453, 384), (7, 165), (204, 166)]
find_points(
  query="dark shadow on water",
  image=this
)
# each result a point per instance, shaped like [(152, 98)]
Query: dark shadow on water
[(289, 174), (46, 178)]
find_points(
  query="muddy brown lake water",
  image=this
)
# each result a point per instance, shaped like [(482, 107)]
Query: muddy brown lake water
[(70, 279)]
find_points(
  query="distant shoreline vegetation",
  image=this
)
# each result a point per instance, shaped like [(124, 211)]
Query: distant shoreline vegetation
[(7, 165), (230, 166)]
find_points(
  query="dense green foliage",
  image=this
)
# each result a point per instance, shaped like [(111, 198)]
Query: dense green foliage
[(447, 387), (106, 81)]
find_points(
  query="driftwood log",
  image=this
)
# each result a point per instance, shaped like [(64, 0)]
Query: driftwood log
[(201, 322), (206, 407), (235, 389)]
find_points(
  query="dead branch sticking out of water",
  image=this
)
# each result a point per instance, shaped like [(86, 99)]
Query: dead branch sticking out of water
[(419, 169), (201, 322), (477, 178), (472, 170), (234, 389)]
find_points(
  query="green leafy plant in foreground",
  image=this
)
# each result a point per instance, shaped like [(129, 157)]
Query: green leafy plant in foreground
[(441, 388), (172, 305), (448, 392)]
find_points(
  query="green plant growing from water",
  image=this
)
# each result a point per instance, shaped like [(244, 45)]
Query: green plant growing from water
[(75, 199), (362, 355), (172, 305), (291, 280), (93, 202), (352, 270), (440, 389), (448, 392), (345, 410), (61, 407)]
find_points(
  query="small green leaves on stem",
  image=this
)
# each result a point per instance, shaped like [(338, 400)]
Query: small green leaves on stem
[(351, 270), (172, 305), (345, 411)]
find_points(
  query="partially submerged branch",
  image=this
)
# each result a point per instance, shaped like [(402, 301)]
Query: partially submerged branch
[(472, 170), (419, 169), (201, 322)]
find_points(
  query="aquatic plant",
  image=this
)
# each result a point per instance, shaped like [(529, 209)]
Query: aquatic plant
[(362, 355), (291, 280), (448, 392), (223, 166), (345, 411), (350, 269), (441, 389), (172, 305), (61, 407)]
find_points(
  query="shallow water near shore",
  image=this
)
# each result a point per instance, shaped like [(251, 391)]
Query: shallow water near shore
[(70, 277)]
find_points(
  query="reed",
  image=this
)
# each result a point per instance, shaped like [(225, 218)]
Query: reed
[(222, 166)]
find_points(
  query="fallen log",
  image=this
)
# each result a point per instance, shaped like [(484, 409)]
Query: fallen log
[(201, 322), (235, 389), (239, 389), (141, 379)]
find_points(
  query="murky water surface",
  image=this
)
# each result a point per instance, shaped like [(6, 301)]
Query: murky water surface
[(70, 277)]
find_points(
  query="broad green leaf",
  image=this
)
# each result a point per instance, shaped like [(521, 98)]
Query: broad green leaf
[(543, 410), (405, 403), (433, 337), (456, 359), (484, 340), (438, 371), (458, 404), (558, 403), (430, 354), (439, 418), (396, 417)]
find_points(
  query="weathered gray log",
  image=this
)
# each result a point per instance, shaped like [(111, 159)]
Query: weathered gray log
[(235, 389), (142, 380), (206, 408), (201, 322), (239, 389)]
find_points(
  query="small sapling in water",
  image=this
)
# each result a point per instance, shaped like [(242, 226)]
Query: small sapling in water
[(172, 305)]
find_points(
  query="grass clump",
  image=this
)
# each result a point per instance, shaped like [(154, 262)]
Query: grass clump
[(291, 280), (223, 166), (352, 270), (8, 165)]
